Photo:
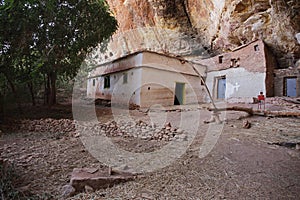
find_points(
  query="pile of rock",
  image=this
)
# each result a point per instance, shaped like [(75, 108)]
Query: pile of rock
[(138, 129), (291, 103), (48, 125)]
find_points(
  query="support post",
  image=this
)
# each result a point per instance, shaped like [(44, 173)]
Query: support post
[(215, 116)]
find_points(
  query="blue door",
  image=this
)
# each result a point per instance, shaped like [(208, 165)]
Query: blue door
[(221, 88), (291, 87)]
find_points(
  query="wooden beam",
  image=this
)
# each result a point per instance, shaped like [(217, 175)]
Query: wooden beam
[(251, 111)]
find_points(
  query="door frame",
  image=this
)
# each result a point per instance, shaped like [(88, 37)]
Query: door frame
[(216, 85), (285, 84), (183, 93)]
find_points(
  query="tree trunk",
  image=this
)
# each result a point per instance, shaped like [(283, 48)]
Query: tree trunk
[(52, 96), (1, 106), (14, 91), (250, 111), (46, 89), (30, 87), (233, 108)]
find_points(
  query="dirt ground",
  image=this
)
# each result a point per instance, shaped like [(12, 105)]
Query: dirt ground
[(244, 164)]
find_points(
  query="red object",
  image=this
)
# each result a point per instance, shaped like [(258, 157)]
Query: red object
[(261, 97)]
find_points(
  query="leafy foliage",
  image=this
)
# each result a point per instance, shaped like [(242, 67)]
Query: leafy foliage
[(45, 39)]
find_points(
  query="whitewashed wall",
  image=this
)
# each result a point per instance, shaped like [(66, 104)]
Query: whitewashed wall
[(162, 87), (118, 91), (241, 85)]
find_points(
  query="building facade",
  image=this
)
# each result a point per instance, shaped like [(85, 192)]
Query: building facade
[(145, 79), (148, 78), (287, 82), (241, 74)]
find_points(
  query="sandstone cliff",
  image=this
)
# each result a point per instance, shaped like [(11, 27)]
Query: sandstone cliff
[(205, 27)]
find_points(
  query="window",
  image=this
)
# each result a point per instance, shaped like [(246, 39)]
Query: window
[(94, 82), (232, 62), (106, 81), (125, 78), (235, 62), (220, 59), (256, 48)]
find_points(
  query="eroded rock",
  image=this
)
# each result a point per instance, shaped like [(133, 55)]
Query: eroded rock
[(217, 25)]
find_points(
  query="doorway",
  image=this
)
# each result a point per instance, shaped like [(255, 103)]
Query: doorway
[(221, 87), (290, 84), (179, 94)]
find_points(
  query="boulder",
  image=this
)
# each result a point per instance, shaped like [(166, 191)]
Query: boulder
[(83, 178)]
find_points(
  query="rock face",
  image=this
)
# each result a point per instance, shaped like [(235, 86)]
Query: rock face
[(276, 22), (202, 27)]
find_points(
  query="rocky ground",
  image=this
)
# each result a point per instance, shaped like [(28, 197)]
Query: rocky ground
[(262, 162)]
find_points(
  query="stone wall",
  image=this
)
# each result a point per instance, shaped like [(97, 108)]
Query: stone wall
[(279, 80), (251, 57), (248, 71)]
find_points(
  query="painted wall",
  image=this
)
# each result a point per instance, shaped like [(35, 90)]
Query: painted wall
[(118, 92), (158, 87), (91, 89), (241, 85), (151, 79), (168, 63), (248, 70)]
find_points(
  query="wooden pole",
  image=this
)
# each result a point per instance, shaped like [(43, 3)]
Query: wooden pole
[(215, 116), (205, 86)]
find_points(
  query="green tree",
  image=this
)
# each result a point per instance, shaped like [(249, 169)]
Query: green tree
[(50, 38)]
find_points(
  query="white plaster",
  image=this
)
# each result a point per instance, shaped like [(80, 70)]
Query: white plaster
[(124, 92), (118, 89), (231, 89), (147, 68), (168, 80), (90, 88), (240, 83)]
